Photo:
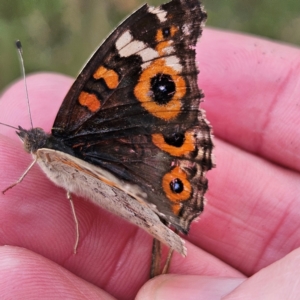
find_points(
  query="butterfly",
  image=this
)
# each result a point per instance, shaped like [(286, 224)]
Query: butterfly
[(129, 135)]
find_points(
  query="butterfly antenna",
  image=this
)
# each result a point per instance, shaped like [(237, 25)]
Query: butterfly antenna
[(9, 126), (20, 50)]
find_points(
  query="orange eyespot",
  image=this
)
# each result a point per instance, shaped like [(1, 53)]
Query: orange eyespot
[(144, 92), (165, 33), (186, 146), (176, 185)]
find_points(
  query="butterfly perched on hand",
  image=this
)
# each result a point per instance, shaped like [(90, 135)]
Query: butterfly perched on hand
[(130, 135)]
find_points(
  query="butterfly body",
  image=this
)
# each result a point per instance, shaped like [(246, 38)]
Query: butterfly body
[(130, 135)]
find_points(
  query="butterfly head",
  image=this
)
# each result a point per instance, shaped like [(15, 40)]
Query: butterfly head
[(33, 139)]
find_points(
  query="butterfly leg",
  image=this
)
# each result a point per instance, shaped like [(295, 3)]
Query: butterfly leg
[(168, 262), (156, 259), (69, 196), (21, 178)]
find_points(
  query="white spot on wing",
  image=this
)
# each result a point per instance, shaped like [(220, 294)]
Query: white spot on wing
[(123, 40), (148, 54), (160, 13), (132, 48), (169, 50), (173, 62), (127, 46)]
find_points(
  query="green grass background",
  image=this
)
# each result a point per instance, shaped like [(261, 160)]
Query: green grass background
[(60, 35)]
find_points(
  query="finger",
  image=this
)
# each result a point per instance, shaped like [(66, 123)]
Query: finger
[(188, 287), (252, 90), (280, 281), (251, 218), (200, 262), (26, 275)]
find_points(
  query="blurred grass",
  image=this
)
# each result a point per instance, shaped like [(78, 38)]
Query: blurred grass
[(61, 35)]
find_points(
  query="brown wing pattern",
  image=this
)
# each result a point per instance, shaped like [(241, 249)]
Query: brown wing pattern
[(134, 109)]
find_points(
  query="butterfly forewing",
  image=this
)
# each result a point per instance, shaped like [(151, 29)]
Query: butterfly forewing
[(134, 110)]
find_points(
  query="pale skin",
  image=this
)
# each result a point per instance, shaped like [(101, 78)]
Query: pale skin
[(250, 226)]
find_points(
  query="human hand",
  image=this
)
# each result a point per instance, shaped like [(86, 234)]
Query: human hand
[(250, 221)]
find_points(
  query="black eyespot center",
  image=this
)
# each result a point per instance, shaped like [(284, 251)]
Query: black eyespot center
[(166, 32), (163, 88), (176, 139), (176, 186)]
